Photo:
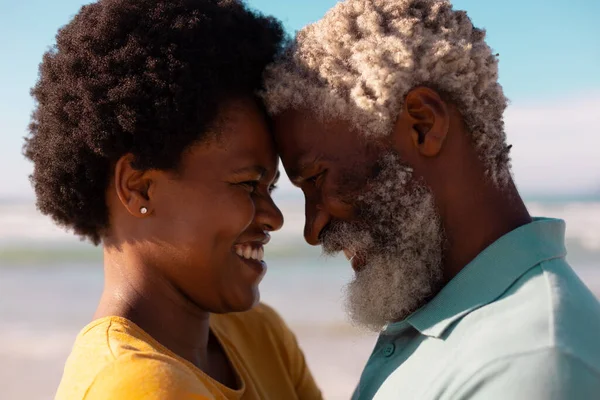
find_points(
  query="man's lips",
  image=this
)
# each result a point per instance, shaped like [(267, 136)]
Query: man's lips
[(357, 259), (349, 254)]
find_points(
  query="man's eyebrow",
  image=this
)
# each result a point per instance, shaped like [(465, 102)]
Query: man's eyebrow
[(295, 173), (294, 176)]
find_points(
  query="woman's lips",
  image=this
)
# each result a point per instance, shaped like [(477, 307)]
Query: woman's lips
[(252, 254), (250, 251)]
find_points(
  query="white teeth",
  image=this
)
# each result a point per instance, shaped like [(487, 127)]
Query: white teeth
[(249, 253)]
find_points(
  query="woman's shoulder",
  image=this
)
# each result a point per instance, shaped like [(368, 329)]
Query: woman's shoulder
[(111, 338), (263, 313), (268, 348), (260, 318), (114, 356), (260, 330)]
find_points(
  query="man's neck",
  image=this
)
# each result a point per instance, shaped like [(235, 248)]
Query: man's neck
[(473, 222)]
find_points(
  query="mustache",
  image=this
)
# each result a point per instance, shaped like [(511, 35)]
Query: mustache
[(376, 206), (340, 235)]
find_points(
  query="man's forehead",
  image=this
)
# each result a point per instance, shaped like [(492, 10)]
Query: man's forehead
[(305, 128), (304, 142), (296, 123)]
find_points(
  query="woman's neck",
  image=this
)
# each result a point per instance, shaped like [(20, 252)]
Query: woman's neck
[(140, 294)]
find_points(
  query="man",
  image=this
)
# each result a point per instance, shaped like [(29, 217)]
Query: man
[(389, 116)]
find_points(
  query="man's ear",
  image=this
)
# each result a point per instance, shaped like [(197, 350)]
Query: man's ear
[(133, 187), (427, 116)]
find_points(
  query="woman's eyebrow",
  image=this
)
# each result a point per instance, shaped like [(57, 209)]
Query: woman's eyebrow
[(257, 169)]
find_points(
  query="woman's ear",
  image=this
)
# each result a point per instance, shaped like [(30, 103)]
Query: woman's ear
[(428, 120), (133, 187)]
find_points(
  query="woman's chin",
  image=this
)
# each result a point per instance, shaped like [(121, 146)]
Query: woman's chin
[(245, 299), (251, 299)]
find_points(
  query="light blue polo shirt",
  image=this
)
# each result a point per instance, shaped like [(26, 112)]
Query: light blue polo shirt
[(515, 324)]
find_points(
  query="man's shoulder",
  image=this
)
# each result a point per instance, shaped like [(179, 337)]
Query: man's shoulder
[(546, 308), (548, 373), (536, 341)]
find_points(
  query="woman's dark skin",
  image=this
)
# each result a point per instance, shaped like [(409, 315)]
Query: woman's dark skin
[(167, 269)]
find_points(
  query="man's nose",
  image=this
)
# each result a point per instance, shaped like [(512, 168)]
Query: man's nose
[(316, 218)]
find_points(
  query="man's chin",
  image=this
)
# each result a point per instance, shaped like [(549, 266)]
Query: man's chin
[(365, 306), (382, 292)]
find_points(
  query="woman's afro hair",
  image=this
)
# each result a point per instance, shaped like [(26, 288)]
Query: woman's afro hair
[(145, 77)]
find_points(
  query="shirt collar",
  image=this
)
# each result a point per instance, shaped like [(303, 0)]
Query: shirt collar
[(489, 275)]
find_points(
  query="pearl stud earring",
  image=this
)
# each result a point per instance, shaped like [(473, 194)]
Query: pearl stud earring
[(144, 210)]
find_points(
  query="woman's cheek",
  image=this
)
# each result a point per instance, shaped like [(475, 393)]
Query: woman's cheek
[(239, 211)]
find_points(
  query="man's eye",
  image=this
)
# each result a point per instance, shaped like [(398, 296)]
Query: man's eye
[(315, 178), (272, 188)]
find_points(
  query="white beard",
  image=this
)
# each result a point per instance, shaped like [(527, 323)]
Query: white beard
[(400, 233)]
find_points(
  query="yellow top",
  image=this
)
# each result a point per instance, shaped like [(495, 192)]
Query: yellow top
[(115, 359)]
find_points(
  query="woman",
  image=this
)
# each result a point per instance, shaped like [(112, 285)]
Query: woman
[(147, 138)]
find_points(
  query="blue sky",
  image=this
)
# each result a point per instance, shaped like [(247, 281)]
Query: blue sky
[(549, 58)]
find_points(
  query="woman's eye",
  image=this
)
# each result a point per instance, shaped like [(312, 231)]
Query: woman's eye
[(250, 185)]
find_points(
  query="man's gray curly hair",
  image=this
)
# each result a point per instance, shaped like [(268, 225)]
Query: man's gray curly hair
[(359, 62)]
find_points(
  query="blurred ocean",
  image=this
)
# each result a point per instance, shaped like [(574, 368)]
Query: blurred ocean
[(50, 283)]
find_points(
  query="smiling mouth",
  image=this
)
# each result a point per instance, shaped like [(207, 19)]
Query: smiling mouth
[(250, 252), (251, 255)]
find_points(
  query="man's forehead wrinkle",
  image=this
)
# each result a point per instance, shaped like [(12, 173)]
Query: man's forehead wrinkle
[(316, 156), (309, 160)]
